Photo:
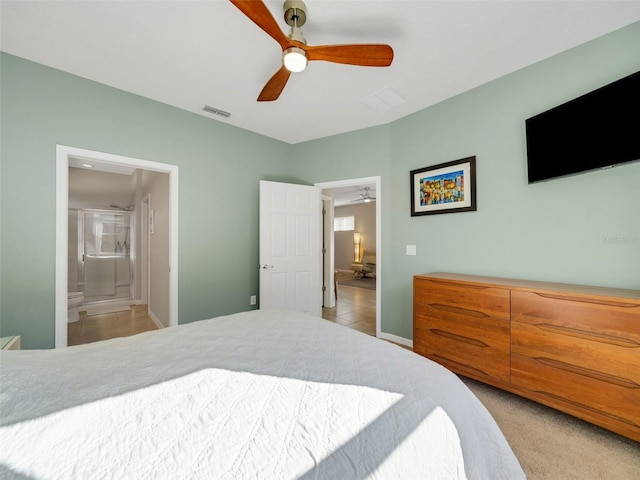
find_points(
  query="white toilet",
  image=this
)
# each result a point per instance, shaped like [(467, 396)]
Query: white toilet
[(74, 301)]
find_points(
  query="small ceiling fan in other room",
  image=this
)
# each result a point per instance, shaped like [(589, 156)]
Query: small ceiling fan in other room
[(365, 197), (295, 51)]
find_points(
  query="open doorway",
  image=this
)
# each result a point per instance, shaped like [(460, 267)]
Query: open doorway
[(65, 156), (353, 192)]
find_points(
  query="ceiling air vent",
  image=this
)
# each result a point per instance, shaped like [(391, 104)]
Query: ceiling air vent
[(216, 111)]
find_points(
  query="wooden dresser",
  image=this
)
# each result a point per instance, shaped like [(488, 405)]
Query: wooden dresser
[(573, 348)]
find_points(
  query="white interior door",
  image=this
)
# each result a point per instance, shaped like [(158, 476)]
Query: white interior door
[(290, 251)]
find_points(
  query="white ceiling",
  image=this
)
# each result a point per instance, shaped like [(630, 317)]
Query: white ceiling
[(195, 53), (344, 196)]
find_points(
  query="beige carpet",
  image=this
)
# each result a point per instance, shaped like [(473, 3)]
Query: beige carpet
[(555, 446)]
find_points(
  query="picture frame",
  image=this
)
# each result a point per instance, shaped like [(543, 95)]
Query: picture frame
[(444, 188)]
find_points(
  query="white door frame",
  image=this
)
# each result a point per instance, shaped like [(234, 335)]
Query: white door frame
[(145, 278), (361, 181), (328, 258), (63, 154)]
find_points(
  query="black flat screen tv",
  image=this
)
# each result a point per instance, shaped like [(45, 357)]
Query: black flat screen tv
[(600, 129)]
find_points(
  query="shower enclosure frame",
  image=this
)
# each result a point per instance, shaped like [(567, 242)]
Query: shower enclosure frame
[(132, 253)]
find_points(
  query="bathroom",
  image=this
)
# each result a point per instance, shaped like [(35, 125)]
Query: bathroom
[(108, 206), (101, 236)]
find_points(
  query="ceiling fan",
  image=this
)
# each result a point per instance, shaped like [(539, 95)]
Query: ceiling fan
[(365, 197), (295, 51)]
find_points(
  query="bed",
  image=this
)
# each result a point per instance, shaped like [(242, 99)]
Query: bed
[(259, 395)]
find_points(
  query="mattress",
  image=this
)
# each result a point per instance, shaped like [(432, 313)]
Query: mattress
[(255, 395)]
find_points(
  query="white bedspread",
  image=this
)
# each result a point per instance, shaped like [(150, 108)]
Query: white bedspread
[(262, 394)]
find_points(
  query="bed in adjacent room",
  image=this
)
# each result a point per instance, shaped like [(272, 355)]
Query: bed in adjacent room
[(261, 394)]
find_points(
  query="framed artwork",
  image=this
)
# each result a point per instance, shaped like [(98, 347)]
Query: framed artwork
[(445, 188)]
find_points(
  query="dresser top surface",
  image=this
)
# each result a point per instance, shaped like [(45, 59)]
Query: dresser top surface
[(528, 285)]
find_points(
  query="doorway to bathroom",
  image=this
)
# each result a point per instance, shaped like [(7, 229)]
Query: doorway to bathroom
[(108, 242)]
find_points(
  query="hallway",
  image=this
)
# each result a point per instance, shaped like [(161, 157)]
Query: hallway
[(355, 307)]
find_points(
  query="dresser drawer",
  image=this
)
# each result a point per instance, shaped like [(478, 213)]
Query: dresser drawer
[(478, 299), (464, 354), (465, 328), (582, 349)]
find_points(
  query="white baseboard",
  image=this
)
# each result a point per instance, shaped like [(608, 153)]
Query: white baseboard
[(152, 315), (155, 319), (396, 339)]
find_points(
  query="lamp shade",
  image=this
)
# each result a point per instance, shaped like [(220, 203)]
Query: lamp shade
[(294, 59), (357, 251)]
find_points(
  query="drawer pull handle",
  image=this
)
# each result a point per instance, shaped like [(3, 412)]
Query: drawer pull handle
[(594, 336), (463, 311), (448, 283), (457, 365), (586, 300), (459, 338), (586, 372)]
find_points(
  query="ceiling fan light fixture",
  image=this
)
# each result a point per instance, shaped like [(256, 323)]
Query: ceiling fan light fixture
[(294, 59), (295, 51)]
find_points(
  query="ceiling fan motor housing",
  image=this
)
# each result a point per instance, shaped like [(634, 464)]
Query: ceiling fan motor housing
[(294, 58), (296, 35), (295, 13)]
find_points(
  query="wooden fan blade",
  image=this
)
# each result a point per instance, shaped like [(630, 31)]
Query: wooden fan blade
[(367, 55), (274, 86), (258, 12)]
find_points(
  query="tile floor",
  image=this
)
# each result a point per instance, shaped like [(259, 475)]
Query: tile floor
[(109, 325), (355, 307)]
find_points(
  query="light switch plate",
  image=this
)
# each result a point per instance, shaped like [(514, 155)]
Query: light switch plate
[(411, 250)]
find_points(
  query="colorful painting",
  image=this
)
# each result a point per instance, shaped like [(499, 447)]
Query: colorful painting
[(444, 188)]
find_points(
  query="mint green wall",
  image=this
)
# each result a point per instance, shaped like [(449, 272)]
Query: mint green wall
[(583, 229), (220, 167)]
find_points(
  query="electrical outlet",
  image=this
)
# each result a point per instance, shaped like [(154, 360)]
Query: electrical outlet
[(252, 300)]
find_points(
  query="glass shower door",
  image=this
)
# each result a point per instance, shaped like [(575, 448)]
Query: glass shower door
[(107, 268)]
